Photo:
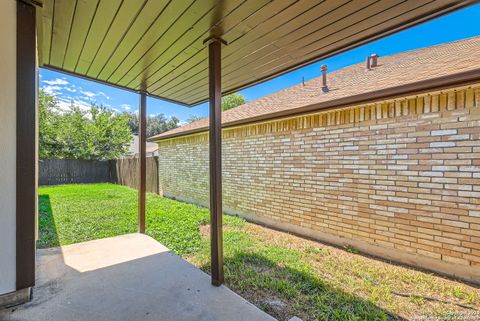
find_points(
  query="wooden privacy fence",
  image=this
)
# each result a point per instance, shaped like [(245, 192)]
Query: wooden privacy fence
[(74, 171), (122, 171), (127, 172)]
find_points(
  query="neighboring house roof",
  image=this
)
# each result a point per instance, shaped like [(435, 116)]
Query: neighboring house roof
[(151, 149), (408, 71), (133, 149)]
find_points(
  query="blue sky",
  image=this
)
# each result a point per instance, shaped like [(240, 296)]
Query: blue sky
[(459, 25)]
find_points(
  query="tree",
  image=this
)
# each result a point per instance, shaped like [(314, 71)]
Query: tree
[(155, 124), (159, 123), (232, 101), (132, 122), (98, 133), (48, 122), (228, 102), (193, 118)]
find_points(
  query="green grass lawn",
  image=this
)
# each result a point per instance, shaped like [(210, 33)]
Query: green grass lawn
[(282, 274)]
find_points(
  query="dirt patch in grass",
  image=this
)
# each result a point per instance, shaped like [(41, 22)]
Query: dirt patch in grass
[(205, 230), (270, 303)]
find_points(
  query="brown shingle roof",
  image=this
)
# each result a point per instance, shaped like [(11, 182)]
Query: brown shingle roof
[(393, 71)]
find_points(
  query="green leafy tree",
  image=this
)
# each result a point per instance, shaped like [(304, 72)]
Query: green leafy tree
[(232, 101), (155, 124), (48, 125), (132, 122), (193, 118), (159, 123), (228, 102), (96, 134)]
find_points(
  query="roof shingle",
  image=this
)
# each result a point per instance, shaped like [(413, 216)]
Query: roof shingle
[(392, 71)]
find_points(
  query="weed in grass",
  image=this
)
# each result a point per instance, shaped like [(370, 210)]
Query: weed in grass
[(351, 249), (313, 250)]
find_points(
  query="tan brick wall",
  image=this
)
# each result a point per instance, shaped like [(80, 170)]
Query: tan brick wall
[(401, 175)]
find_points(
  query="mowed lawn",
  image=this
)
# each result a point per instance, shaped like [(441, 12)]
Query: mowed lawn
[(282, 274)]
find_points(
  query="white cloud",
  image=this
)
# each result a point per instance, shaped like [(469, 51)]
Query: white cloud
[(101, 93), (56, 81), (72, 90), (65, 104), (89, 94), (125, 106), (54, 86), (51, 90)]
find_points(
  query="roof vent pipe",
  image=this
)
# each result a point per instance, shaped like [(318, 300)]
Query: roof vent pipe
[(368, 63), (374, 60), (324, 78)]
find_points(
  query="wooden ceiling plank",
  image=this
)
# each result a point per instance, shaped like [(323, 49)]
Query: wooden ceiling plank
[(106, 11), (365, 32), (180, 40), (318, 17), (264, 27), (185, 72), (263, 59), (83, 18), (126, 16), (386, 16), (308, 52), (44, 27), (437, 9), (171, 57), (166, 76), (172, 12), (167, 64), (188, 68), (197, 80), (329, 34), (351, 16), (192, 42), (236, 54), (62, 23), (145, 21)]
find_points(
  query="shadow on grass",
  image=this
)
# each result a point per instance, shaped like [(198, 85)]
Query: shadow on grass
[(284, 292), (48, 236)]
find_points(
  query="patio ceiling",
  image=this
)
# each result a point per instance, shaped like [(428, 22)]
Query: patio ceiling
[(157, 45)]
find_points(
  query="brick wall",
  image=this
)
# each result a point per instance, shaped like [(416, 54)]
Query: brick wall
[(398, 178)]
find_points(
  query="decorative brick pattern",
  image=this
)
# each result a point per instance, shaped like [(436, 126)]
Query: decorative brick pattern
[(401, 174)]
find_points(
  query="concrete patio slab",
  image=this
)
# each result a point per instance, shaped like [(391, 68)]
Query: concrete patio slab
[(129, 277)]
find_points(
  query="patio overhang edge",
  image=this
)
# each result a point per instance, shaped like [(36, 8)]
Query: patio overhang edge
[(106, 83), (442, 9), (459, 79)]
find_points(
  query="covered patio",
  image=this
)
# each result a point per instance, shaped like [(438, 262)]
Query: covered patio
[(129, 277), (187, 52)]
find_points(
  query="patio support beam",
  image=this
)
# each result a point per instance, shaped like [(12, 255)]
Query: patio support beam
[(215, 149), (26, 173), (142, 141)]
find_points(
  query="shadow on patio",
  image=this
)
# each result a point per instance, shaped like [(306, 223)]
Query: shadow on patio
[(46, 222), (129, 277)]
